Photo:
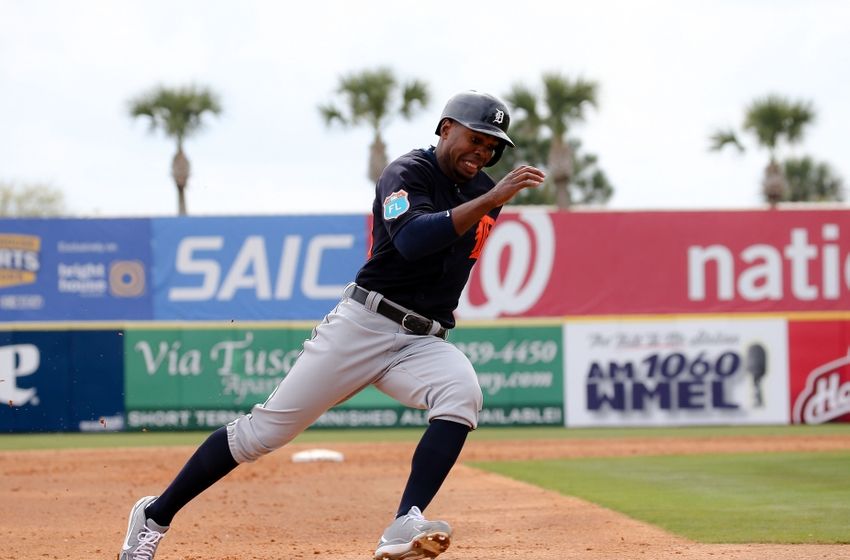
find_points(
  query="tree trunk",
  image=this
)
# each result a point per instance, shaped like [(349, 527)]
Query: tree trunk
[(377, 158), (774, 186), (561, 171), (181, 201), (180, 173)]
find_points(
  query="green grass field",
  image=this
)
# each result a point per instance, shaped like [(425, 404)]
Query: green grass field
[(722, 498)]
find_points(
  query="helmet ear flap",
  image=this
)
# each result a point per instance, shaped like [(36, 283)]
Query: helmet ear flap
[(497, 155)]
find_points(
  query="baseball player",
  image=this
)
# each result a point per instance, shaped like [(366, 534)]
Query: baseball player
[(432, 213)]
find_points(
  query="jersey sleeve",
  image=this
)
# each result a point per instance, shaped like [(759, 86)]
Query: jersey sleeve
[(425, 234), (404, 191)]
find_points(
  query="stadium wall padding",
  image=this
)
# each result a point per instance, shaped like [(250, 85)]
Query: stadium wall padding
[(577, 318)]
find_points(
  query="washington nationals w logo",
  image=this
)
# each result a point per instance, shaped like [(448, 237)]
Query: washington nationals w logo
[(527, 249)]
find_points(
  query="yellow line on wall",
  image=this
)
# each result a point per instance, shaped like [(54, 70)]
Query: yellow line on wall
[(518, 321)]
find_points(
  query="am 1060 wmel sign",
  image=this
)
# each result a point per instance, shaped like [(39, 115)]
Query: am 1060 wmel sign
[(668, 372)]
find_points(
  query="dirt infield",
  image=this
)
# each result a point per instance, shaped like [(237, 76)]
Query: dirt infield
[(73, 505)]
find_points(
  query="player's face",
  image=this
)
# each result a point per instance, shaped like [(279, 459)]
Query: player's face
[(463, 152)]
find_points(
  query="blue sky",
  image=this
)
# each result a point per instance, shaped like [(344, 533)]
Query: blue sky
[(669, 74)]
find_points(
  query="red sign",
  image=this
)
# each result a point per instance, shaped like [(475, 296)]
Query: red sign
[(538, 264), (819, 362)]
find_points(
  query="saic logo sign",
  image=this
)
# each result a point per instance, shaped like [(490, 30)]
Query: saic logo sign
[(17, 360), (516, 289), (251, 271)]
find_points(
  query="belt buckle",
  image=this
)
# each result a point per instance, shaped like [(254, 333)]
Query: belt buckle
[(416, 324)]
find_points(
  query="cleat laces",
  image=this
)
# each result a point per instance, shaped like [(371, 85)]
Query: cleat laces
[(148, 541)]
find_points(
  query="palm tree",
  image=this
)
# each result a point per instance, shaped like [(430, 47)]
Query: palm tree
[(773, 120), (370, 97), (810, 181), (179, 113), (540, 129)]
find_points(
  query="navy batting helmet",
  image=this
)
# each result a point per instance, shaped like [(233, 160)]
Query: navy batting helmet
[(483, 113)]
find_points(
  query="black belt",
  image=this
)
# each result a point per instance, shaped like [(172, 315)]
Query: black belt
[(412, 322)]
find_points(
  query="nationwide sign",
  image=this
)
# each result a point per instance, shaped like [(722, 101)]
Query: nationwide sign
[(538, 264)]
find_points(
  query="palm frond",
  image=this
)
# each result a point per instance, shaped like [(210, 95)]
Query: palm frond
[(524, 99), (773, 116), (179, 112), (722, 138), (331, 114), (525, 118), (799, 115), (566, 100), (414, 94), (368, 95)]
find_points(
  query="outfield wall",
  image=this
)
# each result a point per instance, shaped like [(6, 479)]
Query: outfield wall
[(577, 319)]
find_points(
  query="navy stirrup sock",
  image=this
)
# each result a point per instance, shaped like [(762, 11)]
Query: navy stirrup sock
[(211, 461), (434, 457)]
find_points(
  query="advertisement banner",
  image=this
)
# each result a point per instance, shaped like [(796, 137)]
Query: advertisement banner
[(203, 378), (820, 371), (254, 268), (61, 381), (536, 263), (676, 372), (542, 264), (74, 270), (520, 370)]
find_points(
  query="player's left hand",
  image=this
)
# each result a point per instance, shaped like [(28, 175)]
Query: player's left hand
[(523, 177)]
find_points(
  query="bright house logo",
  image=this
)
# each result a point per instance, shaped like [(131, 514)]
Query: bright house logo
[(16, 361), (827, 393), (19, 259)]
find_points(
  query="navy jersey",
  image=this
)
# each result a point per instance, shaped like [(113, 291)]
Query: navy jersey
[(413, 185)]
